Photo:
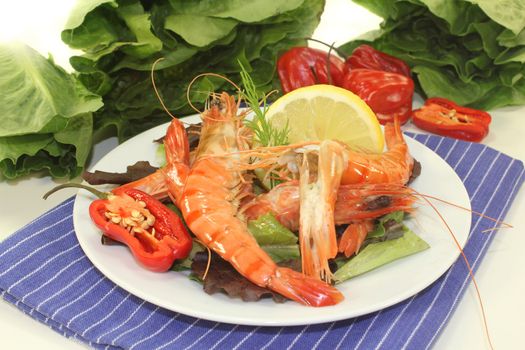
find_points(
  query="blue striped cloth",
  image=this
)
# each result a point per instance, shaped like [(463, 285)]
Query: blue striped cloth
[(45, 273)]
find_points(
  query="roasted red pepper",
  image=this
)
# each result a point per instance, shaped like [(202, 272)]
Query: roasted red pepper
[(155, 235), (388, 94), (444, 117), (365, 56), (305, 66)]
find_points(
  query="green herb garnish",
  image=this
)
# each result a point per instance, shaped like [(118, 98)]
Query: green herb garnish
[(264, 133)]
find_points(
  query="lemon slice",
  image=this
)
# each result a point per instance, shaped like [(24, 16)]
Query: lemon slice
[(321, 112)]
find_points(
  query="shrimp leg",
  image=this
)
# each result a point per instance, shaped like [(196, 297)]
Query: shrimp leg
[(354, 236)]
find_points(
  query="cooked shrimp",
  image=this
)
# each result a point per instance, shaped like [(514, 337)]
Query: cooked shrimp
[(209, 201), (354, 202)]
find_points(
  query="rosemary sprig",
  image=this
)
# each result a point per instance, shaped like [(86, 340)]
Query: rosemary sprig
[(264, 133)]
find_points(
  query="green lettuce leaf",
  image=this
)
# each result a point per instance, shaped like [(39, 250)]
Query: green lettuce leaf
[(138, 22), (241, 10), (275, 239), (378, 254), (35, 91), (200, 30), (508, 13), (380, 229), (46, 115)]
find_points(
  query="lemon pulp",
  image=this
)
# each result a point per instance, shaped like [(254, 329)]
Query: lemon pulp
[(321, 112)]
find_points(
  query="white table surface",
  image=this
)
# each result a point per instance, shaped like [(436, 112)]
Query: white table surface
[(500, 277)]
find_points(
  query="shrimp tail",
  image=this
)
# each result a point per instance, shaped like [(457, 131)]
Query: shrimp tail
[(176, 143), (177, 150), (308, 291)]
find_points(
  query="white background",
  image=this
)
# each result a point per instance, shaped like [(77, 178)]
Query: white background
[(501, 276)]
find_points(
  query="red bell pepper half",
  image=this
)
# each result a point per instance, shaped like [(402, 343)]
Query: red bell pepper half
[(388, 94), (305, 66), (155, 235), (365, 56), (444, 117)]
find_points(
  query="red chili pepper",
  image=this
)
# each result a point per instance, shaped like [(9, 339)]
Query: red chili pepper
[(305, 66), (155, 235), (444, 117), (388, 94), (365, 56)]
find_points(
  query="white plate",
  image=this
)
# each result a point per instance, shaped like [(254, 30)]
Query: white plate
[(367, 293)]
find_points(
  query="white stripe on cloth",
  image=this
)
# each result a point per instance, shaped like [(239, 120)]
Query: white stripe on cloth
[(202, 336), (105, 317), (41, 230), (155, 333), (323, 336), (297, 337), (267, 345), (86, 292), (343, 338), (389, 330), (246, 337), (35, 252), (367, 330), (224, 337), (485, 177), (122, 323), (178, 336), (472, 166), (68, 324), (460, 160), (438, 145), (40, 267), (137, 326), (68, 285), (453, 147)]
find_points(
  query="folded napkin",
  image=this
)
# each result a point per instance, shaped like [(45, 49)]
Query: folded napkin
[(45, 273)]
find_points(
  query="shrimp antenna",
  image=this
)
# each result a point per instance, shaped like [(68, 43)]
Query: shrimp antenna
[(498, 222), (204, 75), (156, 90), (471, 273), (208, 263)]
